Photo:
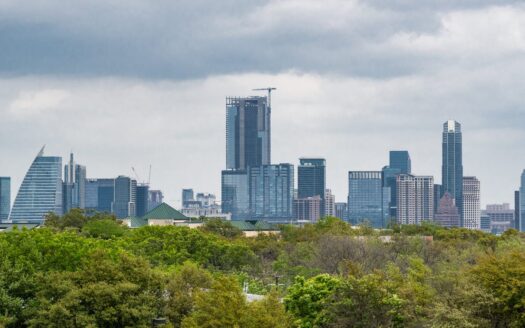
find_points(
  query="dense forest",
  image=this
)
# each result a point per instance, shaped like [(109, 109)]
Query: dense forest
[(79, 271)]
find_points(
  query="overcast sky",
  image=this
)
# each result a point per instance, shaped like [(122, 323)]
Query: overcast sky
[(127, 83)]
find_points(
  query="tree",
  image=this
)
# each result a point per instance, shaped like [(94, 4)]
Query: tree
[(104, 228), (266, 313), (221, 228)]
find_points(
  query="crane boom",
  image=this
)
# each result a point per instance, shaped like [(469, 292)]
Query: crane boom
[(269, 89)]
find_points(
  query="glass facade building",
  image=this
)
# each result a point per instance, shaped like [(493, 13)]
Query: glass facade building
[(311, 176), (452, 166), (142, 200), (390, 181), (522, 202), (368, 200), (99, 195), (400, 159), (5, 198), (187, 196), (247, 132), (125, 197), (40, 192), (235, 194), (271, 192)]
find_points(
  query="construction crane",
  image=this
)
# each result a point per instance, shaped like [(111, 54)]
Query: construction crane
[(269, 89), (136, 175)]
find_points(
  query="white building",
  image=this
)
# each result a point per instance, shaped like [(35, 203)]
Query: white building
[(471, 203), (415, 198), (329, 203)]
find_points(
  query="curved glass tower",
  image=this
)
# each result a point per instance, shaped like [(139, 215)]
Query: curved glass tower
[(40, 192)]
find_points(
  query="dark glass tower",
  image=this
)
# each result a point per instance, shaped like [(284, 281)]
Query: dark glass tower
[(368, 200), (142, 199), (311, 175), (517, 210), (452, 167), (5, 198), (187, 196), (400, 159), (247, 132), (125, 197), (522, 202)]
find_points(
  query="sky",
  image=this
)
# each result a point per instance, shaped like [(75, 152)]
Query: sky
[(127, 83)]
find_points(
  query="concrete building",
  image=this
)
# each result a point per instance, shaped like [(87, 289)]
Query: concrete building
[(501, 217), (307, 209), (447, 214), (471, 203), (329, 203), (415, 197)]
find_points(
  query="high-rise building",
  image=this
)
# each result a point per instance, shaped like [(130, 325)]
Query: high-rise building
[(125, 197), (415, 197), (517, 219), (74, 187), (271, 192), (340, 211), (389, 181), (400, 159), (155, 199), (142, 199), (100, 195), (501, 217), (311, 179), (437, 196), (40, 192), (368, 200), (5, 198), (329, 203), (485, 222), (187, 196), (247, 132), (471, 203), (206, 200), (452, 166), (235, 194), (522, 202), (307, 209), (447, 214)]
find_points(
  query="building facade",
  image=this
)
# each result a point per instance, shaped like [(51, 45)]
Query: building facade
[(125, 197), (471, 203), (329, 203), (311, 179), (307, 209), (400, 159), (368, 200), (452, 165), (40, 192), (447, 214), (389, 181), (5, 198), (187, 196), (155, 199), (501, 217), (522, 202), (235, 194), (74, 187), (248, 132), (415, 196), (142, 199), (340, 211)]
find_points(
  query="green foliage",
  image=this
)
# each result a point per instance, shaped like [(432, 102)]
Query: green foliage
[(104, 228), (222, 228)]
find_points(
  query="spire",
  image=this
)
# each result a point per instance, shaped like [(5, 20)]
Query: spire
[(41, 152)]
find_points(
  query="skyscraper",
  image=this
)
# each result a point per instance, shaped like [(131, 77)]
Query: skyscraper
[(187, 196), (340, 211), (155, 199), (400, 159), (5, 198), (329, 203), (517, 219), (311, 175), (125, 197), (247, 132), (501, 217), (390, 181), (452, 166), (367, 198), (307, 209), (447, 214), (142, 199), (235, 194), (40, 192), (100, 194), (74, 187), (415, 196), (271, 192), (522, 202), (471, 203)]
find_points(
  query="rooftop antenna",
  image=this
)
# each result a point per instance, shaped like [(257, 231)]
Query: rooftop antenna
[(269, 89)]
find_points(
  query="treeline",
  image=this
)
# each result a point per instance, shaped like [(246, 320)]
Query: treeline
[(91, 271)]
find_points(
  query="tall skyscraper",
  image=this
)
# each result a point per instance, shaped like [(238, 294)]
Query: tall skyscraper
[(471, 203), (40, 192), (311, 175), (522, 202), (142, 199), (329, 203), (271, 192), (367, 198), (235, 194), (100, 195), (452, 166), (187, 196), (400, 159), (125, 198), (517, 210), (5, 198), (390, 181), (155, 199), (248, 132), (447, 214), (415, 196), (74, 187), (437, 196)]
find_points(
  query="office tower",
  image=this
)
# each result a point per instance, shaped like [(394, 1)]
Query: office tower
[(187, 196), (311, 176), (5, 198), (368, 200), (142, 199), (452, 166), (522, 202), (74, 187), (340, 211), (415, 196), (485, 222), (501, 217), (437, 196), (247, 132), (235, 194), (125, 197), (307, 209), (400, 159), (517, 210), (271, 192), (100, 195), (389, 180), (447, 214), (40, 192), (155, 199), (471, 203), (329, 203)]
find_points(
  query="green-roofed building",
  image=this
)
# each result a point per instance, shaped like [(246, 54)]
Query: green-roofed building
[(160, 215)]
